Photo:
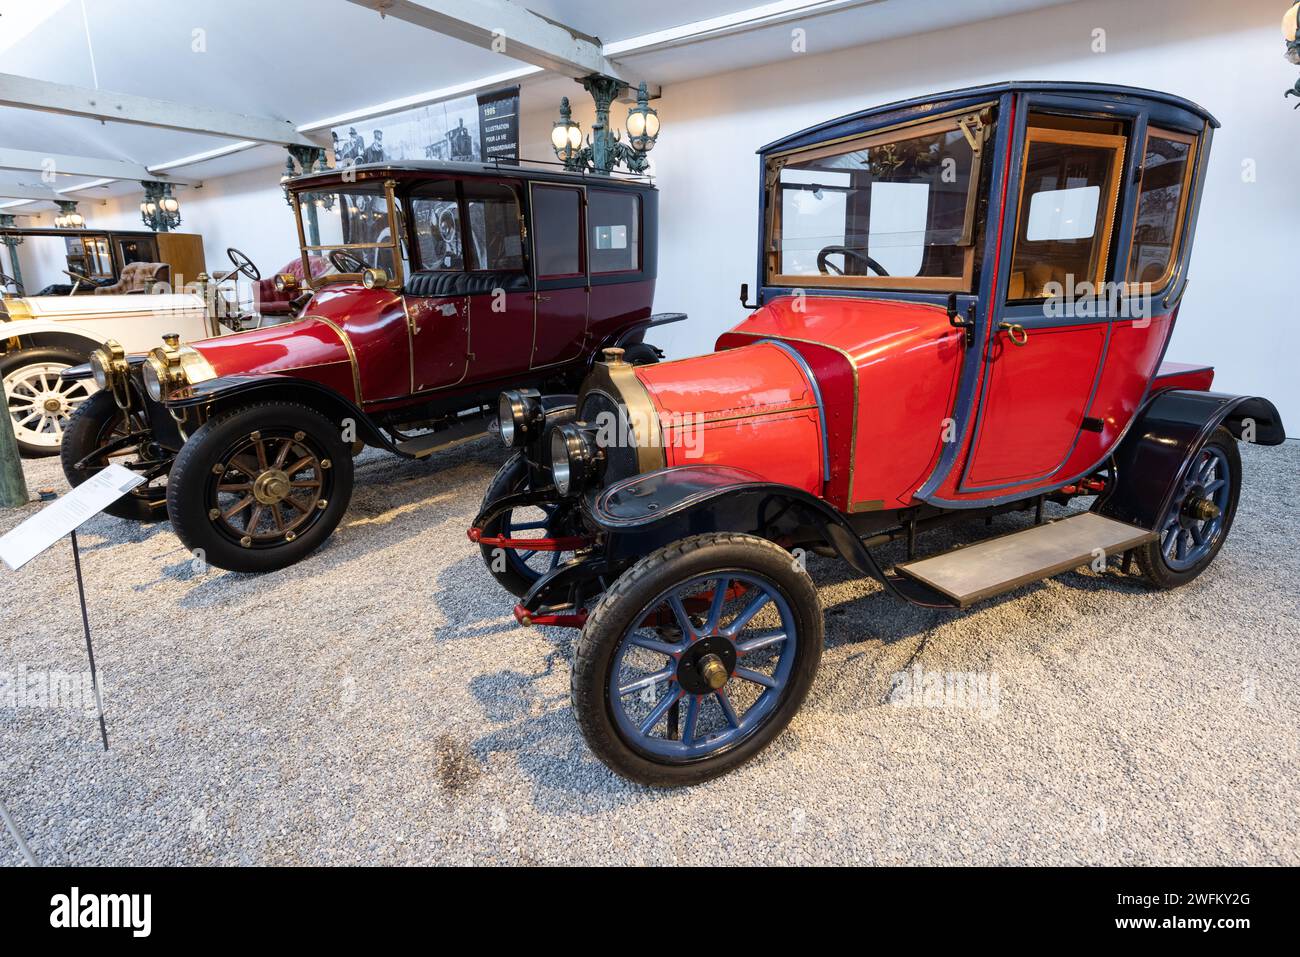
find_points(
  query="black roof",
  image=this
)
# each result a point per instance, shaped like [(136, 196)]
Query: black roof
[(1101, 90), (525, 169)]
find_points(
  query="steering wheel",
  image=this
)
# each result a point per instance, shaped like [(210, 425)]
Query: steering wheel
[(8, 280), (243, 265), (344, 261), (825, 267)]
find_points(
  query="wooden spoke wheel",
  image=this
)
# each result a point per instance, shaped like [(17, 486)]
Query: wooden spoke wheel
[(258, 488)]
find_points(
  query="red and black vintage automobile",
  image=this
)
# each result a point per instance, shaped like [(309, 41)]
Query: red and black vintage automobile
[(964, 305), (448, 282)]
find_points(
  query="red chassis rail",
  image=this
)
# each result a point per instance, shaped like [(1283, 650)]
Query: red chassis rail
[(570, 544)]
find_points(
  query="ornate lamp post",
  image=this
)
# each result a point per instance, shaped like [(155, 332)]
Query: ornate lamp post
[(605, 149), (160, 210), (7, 221), (309, 159), (68, 217), (1291, 34)]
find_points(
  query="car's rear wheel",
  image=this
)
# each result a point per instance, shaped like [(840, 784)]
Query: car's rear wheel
[(100, 434), (697, 658), (39, 402), (1199, 516), (260, 487)]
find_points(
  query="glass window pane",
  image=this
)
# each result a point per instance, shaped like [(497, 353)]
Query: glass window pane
[(896, 208), (1065, 223), (614, 238), (345, 218), (555, 230), (1164, 179), (435, 216), (493, 213)]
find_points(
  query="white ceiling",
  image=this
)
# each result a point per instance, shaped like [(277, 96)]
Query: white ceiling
[(306, 60)]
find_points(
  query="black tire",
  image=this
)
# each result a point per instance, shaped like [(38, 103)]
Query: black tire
[(641, 354), (515, 574), (639, 591), (211, 458), (15, 361), (97, 421), (1152, 559)]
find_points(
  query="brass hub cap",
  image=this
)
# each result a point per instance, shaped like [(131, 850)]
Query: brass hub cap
[(268, 489), (271, 487), (713, 671), (1202, 509)]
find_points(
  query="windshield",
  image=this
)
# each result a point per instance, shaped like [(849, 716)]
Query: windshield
[(350, 229), (886, 209)]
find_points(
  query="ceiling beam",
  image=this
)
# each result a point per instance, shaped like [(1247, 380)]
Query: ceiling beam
[(50, 163), (28, 94), (30, 193), (503, 26)]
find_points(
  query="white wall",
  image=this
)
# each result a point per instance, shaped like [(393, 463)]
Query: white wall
[(1238, 312)]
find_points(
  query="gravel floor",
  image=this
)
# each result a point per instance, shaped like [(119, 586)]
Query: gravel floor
[(378, 704)]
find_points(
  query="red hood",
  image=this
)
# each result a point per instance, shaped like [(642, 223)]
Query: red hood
[(293, 345)]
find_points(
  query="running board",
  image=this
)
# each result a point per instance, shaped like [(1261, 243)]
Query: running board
[(974, 572), (422, 446)]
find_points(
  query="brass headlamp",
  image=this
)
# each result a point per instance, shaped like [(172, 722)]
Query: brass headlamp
[(109, 368), (171, 366)]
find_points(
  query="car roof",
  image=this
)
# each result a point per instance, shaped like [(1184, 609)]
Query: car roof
[(524, 169), (1105, 91)]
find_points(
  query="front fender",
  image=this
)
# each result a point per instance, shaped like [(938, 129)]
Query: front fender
[(223, 391), (1151, 459), (650, 510)]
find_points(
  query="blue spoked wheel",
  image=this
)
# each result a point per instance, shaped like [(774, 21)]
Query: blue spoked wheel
[(518, 570), (1199, 516), (697, 658)]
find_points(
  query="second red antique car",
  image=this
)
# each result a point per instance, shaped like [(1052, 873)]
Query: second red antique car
[(964, 305), (446, 283)]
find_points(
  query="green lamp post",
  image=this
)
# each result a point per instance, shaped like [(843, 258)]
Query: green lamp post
[(7, 221), (309, 159), (605, 149), (160, 210)]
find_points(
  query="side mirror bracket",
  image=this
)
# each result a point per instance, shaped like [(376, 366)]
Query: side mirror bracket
[(744, 297), (965, 323)]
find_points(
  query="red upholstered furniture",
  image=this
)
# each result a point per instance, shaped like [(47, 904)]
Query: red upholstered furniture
[(269, 301)]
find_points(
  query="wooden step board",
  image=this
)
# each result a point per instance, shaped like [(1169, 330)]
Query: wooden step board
[(974, 572), (467, 430)]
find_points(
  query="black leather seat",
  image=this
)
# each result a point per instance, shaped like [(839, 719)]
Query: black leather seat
[(441, 283)]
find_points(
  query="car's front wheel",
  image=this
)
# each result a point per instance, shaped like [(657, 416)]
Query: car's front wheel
[(518, 569), (101, 434), (697, 658), (260, 487), (39, 402)]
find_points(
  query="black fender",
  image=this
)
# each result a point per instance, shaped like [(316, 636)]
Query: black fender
[(1167, 432), (650, 510), (223, 391), (634, 333)]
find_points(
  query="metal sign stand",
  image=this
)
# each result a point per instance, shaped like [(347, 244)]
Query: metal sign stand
[(90, 651)]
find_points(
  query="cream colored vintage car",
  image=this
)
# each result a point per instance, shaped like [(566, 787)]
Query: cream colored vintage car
[(40, 336)]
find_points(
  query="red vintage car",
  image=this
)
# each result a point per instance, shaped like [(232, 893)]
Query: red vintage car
[(448, 282), (963, 309)]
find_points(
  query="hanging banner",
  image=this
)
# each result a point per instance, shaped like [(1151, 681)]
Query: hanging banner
[(468, 129)]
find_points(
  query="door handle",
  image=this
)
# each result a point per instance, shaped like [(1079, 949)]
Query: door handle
[(1015, 332), (538, 297)]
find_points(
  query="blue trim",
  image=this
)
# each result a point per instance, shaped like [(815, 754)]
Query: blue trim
[(1104, 94), (794, 354)]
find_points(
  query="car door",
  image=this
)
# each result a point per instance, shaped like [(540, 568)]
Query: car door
[(1043, 361), (560, 270), (435, 297), (501, 304)]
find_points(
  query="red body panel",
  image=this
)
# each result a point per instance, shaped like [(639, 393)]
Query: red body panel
[(891, 366), (1183, 375), (752, 408), (307, 349), (374, 322)]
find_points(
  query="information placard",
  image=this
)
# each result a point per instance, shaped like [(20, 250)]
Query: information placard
[(54, 521)]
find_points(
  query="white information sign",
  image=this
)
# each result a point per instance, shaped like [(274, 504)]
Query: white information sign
[(54, 521)]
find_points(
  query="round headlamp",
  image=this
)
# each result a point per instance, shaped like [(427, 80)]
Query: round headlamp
[(374, 278), (286, 282), (573, 458), (520, 416), (99, 368), (154, 374)]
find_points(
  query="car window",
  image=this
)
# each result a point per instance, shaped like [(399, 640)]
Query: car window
[(1162, 202), (892, 208), (352, 219), (556, 234), (492, 210), (613, 230), (1069, 182), (435, 215)]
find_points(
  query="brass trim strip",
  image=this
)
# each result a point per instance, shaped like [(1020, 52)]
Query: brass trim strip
[(352, 353), (763, 412)]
